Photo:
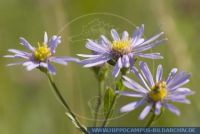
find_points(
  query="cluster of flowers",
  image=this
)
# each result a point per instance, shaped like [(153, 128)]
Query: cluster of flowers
[(120, 52)]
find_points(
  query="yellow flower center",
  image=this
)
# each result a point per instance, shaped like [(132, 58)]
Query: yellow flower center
[(42, 52), (121, 47), (158, 92)]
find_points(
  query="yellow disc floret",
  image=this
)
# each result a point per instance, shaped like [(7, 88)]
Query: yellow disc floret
[(121, 47), (158, 92), (42, 52)]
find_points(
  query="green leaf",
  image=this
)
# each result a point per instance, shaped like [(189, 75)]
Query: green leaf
[(120, 85), (108, 99)]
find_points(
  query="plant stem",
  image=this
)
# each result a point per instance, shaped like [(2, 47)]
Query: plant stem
[(64, 102), (99, 101), (110, 110), (149, 123)]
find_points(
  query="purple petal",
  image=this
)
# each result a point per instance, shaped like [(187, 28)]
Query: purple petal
[(95, 47), (114, 34), (139, 76), (44, 65), (141, 48), (178, 98), (178, 81), (133, 105), (53, 43), (18, 52), (150, 56), (146, 111), (125, 61), (146, 73), (105, 41), (13, 64), (172, 108), (182, 91), (159, 73), (171, 75), (129, 94), (125, 35), (137, 34), (26, 44), (51, 69), (16, 56), (45, 38), (63, 60), (139, 42), (32, 66), (95, 61), (88, 55), (116, 70), (129, 83), (158, 107), (152, 38)]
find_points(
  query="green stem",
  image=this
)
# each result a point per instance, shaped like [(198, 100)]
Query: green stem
[(149, 123), (64, 102), (118, 87), (99, 101), (110, 111)]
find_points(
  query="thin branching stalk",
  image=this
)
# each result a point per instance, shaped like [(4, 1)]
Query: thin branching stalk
[(110, 110), (99, 101), (151, 120), (64, 102)]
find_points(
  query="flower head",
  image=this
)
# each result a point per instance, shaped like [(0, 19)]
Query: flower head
[(156, 94), (121, 52), (41, 56)]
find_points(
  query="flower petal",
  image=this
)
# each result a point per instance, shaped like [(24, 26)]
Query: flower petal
[(114, 34), (178, 81), (172, 108), (137, 35), (146, 73), (171, 75), (95, 61), (53, 43), (146, 111), (158, 107), (129, 94), (150, 55), (125, 61), (51, 69), (139, 76), (116, 70), (152, 39), (159, 73), (125, 35), (129, 83), (26, 44), (105, 41), (88, 55), (95, 47), (45, 38), (182, 91), (133, 105), (141, 48), (32, 66)]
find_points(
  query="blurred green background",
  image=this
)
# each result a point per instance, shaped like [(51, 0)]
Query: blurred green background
[(27, 104)]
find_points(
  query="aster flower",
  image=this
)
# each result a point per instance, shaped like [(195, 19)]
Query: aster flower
[(121, 52), (41, 56), (156, 94)]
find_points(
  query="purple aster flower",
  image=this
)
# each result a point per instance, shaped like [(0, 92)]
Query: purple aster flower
[(121, 52), (156, 94), (41, 56)]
